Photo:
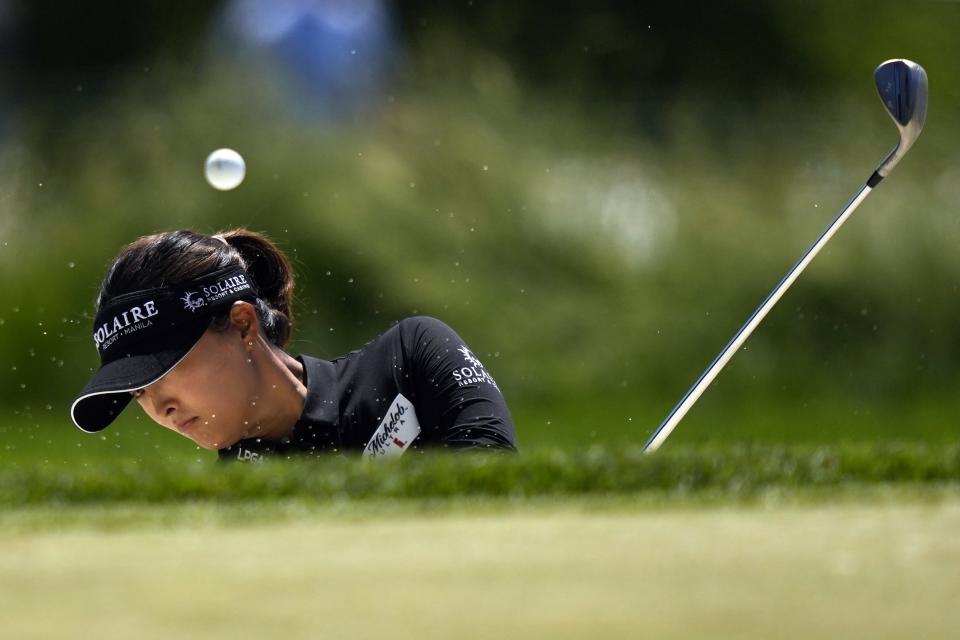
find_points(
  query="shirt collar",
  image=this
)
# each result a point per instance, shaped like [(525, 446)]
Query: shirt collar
[(318, 428)]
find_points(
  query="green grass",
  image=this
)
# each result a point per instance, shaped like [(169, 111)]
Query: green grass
[(137, 533), (728, 415), (759, 529), (727, 472), (876, 568)]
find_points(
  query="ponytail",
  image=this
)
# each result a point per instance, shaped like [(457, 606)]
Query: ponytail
[(272, 274)]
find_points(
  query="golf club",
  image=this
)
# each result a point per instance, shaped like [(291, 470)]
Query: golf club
[(902, 85)]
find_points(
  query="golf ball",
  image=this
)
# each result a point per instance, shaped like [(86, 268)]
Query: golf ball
[(224, 169)]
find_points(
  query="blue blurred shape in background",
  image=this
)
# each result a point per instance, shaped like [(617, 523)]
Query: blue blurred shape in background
[(336, 52)]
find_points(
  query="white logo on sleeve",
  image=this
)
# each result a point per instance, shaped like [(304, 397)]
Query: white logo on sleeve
[(398, 429), (472, 374)]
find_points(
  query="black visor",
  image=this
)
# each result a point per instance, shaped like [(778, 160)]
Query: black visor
[(142, 335)]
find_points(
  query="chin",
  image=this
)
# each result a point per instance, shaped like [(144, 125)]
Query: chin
[(220, 443), (208, 445)]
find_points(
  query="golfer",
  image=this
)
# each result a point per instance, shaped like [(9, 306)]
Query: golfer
[(194, 327)]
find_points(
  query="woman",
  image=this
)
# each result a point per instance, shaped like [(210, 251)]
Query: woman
[(193, 326)]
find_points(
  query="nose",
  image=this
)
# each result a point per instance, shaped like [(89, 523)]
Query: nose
[(165, 406), (161, 404)]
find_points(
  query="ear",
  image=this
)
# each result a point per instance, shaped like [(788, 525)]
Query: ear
[(243, 317)]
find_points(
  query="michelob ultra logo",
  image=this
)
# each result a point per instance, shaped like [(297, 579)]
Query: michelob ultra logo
[(397, 430)]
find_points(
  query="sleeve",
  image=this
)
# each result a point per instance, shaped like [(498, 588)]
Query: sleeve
[(457, 393)]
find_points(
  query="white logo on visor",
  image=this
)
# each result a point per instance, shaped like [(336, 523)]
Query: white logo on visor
[(124, 323), (189, 303)]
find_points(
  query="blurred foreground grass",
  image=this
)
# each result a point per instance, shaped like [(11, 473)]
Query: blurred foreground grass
[(717, 472), (879, 570)]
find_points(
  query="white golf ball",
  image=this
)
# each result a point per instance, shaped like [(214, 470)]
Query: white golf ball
[(224, 169)]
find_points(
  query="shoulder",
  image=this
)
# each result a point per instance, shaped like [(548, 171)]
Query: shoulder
[(413, 337), (426, 336), (408, 335), (418, 329), (423, 323)]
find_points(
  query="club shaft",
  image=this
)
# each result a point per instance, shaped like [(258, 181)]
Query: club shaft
[(679, 411)]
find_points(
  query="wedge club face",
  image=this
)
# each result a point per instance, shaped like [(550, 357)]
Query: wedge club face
[(902, 86)]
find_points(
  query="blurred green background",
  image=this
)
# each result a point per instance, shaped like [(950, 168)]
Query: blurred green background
[(594, 195)]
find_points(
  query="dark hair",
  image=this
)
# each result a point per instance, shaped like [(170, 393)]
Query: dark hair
[(174, 257)]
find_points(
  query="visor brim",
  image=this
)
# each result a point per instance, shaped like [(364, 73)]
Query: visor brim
[(107, 393)]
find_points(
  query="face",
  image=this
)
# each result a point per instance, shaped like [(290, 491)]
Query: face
[(211, 396)]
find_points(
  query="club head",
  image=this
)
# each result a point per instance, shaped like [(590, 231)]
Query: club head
[(902, 86)]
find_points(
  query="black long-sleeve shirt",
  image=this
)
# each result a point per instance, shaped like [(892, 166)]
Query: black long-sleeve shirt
[(415, 386)]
